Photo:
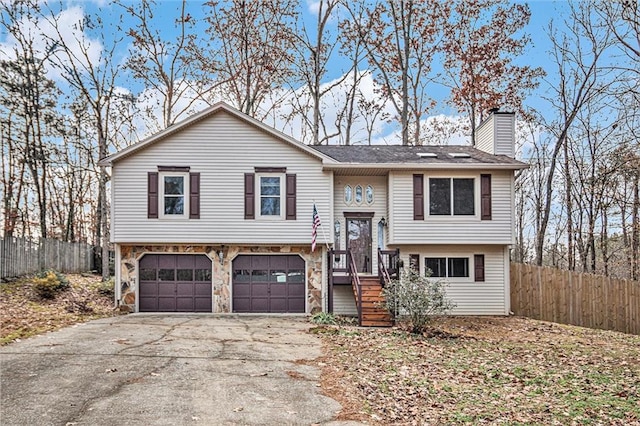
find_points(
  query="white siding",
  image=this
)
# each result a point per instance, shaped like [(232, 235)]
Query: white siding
[(472, 298), (379, 208), (222, 148), (497, 135), (505, 134), (451, 229), (344, 303)]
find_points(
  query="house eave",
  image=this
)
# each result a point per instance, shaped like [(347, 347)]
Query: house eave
[(421, 166)]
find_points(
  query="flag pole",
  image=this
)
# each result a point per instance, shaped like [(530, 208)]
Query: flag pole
[(322, 228)]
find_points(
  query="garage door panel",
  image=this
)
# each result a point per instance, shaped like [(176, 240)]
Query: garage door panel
[(279, 305), (166, 304), (296, 305), (260, 290), (202, 304), (242, 304), (295, 290), (185, 304), (175, 283), (260, 304), (202, 289), (242, 291), (279, 290)]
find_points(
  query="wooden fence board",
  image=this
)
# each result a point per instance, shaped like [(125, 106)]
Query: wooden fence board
[(20, 256), (570, 297)]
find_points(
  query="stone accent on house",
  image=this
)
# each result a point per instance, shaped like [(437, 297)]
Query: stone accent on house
[(221, 301)]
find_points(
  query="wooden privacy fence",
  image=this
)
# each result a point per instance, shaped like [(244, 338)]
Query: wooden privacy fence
[(575, 298), (19, 256)]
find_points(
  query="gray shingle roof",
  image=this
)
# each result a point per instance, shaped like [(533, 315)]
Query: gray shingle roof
[(394, 154)]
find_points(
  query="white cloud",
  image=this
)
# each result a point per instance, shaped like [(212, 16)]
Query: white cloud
[(42, 32)]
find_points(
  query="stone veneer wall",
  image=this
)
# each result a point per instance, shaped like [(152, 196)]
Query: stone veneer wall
[(221, 273)]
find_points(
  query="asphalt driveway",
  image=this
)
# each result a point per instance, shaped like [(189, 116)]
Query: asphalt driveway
[(166, 370)]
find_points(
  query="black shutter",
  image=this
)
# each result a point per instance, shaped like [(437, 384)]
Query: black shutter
[(152, 195), (485, 197), (194, 195), (249, 196), (418, 197), (414, 262), (478, 266), (291, 197)]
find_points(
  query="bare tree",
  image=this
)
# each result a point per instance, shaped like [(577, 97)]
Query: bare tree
[(401, 40), (482, 40), (250, 50), (164, 64)]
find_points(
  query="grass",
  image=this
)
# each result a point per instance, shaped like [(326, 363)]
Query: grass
[(484, 370), (23, 314)]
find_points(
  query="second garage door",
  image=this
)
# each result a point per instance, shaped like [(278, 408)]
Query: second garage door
[(269, 284)]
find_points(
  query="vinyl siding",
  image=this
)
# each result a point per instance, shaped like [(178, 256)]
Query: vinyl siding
[(497, 135), (379, 208), (489, 297), (222, 149), (344, 303), (451, 229)]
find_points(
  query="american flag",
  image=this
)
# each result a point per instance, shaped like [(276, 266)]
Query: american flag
[(314, 229)]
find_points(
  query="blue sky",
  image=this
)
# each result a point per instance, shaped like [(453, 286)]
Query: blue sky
[(168, 10)]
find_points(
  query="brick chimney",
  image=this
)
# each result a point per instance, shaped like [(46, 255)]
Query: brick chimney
[(496, 134)]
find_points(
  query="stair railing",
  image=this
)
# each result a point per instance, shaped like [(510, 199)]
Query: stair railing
[(355, 281), (383, 272)]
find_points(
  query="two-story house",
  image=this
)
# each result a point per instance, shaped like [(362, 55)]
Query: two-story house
[(214, 214)]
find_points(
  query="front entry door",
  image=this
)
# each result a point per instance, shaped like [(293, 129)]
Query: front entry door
[(359, 242)]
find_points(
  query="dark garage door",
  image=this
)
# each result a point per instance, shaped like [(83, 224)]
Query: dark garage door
[(175, 283), (268, 283)]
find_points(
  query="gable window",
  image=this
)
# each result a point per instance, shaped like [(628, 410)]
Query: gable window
[(174, 190), (452, 267), (270, 191), (451, 196)]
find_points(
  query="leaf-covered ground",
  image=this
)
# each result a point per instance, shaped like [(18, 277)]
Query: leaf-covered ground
[(24, 314), (483, 370)]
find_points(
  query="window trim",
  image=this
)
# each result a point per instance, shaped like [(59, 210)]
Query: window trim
[(185, 195), (258, 192), (476, 198)]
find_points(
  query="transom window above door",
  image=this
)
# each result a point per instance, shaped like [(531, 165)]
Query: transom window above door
[(358, 195)]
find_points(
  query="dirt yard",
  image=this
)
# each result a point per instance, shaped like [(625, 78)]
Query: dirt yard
[(483, 370), (23, 313)]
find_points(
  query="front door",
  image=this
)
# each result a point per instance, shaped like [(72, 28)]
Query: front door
[(359, 242)]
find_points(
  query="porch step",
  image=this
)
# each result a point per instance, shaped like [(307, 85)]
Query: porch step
[(373, 312)]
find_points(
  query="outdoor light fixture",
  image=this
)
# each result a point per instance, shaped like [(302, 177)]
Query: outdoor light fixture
[(383, 222), (221, 255)]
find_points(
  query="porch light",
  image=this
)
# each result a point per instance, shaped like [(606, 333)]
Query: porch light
[(221, 255), (383, 222)]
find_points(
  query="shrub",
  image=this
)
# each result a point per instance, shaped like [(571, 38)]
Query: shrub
[(418, 298), (324, 318), (47, 284), (106, 288)]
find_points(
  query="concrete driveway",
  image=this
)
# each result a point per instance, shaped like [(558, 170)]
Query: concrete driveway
[(166, 370)]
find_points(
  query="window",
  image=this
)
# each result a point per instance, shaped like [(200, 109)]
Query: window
[(271, 192), (270, 195), (174, 188), (452, 267), (447, 195), (358, 195)]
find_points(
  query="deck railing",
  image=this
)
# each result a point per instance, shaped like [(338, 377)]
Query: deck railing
[(355, 282), (388, 265)]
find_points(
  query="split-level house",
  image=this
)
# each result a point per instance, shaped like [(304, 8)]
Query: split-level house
[(215, 214)]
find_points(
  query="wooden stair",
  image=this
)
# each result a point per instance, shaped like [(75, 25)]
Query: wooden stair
[(373, 312)]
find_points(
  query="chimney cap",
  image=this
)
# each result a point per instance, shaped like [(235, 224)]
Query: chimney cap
[(494, 110)]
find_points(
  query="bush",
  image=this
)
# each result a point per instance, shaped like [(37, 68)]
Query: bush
[(107, 288), (418, 298), (324, 318), (47, 284)]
